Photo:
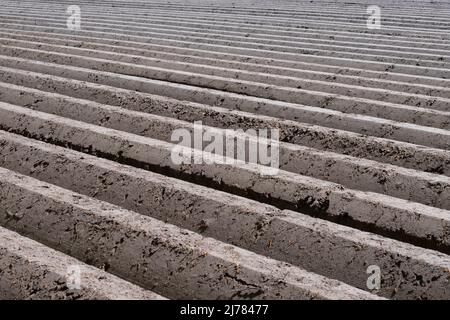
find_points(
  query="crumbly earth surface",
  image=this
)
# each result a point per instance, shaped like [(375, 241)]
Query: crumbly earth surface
[(93, 205)]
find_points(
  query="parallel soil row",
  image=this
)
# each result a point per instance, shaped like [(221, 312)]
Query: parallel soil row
[(88, 180)]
